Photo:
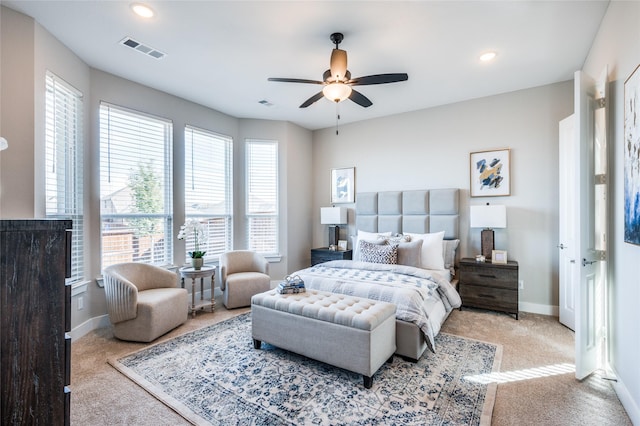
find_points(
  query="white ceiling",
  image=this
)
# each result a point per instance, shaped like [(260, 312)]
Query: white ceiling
[(220, 53)]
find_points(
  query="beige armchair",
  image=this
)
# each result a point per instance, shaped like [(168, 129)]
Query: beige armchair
[(143, 301), (243, 273)]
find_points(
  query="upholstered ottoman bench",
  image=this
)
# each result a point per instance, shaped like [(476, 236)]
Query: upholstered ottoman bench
[(349, 332)]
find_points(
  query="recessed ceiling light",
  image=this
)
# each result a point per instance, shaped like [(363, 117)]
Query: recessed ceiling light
[(142, 10), (488, 56)]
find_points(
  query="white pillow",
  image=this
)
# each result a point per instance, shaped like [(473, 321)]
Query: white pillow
[(431, 255), (366, 236)]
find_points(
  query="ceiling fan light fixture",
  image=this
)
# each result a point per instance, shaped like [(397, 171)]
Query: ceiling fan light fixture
[(336, 92), (338, 64)]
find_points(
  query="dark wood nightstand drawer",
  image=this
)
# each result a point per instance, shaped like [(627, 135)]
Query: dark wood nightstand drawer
[(490, 298), (323, 254), (490, 276)]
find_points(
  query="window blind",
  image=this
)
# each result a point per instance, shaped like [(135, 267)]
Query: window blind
[(64, 165), (136, 198), (209, 188), (262, 196)]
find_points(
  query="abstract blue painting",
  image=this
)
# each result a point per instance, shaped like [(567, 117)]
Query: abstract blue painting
[(632, 158), (490, 173)]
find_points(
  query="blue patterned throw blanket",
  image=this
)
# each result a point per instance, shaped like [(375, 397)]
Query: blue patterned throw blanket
[(422, 297)]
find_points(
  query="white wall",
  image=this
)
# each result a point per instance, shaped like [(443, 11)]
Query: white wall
[(617, 46), (28, 50), (430, 149)]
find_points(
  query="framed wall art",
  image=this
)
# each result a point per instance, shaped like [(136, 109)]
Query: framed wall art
[(343, 185), (631, 155), (490, 173)]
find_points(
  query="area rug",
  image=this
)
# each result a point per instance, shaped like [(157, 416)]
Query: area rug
[(215, 376)]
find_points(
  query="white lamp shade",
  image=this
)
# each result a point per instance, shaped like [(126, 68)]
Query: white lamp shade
[(3, 144), (488, 216), (333, 215)]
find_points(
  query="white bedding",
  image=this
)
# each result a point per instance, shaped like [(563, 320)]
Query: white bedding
[(422, 297)]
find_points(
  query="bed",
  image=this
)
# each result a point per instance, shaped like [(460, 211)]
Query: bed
[(422, 225)]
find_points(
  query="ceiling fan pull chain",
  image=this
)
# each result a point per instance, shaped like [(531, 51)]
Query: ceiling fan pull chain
[(337, 115)]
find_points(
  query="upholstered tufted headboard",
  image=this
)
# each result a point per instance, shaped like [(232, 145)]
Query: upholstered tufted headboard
[(418, 211)]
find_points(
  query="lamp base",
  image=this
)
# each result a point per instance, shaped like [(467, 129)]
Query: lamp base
[(487, 243), (334, 235)]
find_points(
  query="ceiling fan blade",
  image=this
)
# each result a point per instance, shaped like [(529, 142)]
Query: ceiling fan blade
[(295, 80), (360, 99), (312, 100), (378, 79)]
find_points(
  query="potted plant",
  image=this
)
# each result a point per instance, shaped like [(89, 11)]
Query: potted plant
[(192, 227)]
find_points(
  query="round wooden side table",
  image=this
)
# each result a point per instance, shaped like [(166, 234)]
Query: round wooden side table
[(202, 273)]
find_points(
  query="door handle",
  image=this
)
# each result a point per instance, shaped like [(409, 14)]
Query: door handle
[(586, 262)]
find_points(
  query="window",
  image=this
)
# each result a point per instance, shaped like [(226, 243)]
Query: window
[(208, 192), (262, 196), (63, 178), (136, 211)]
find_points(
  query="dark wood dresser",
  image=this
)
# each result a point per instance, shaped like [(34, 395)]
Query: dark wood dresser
[(323, 254), (489, 285), (35, 305)]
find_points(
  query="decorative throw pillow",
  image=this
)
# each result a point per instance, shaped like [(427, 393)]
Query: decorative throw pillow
[(449, 254), (366, 236), (409, 253), (376, 253), (431, 256)]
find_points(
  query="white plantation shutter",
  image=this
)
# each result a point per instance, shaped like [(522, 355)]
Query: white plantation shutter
[(208, 188), (262, 196), (63, 178), (136, 198)]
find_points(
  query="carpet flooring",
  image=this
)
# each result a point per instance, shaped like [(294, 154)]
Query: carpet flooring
[(215, 376), (101, 395)]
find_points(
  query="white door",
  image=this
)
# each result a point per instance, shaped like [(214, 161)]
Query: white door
[(568, 157), (590, 190)]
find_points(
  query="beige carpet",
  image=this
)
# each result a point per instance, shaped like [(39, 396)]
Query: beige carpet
[(100, 395)]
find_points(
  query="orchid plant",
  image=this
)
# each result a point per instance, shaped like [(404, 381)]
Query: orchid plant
[(199, 232)]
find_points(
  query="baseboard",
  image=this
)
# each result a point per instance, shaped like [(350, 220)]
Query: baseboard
[(536, 308), (625, 397), (88, 326)]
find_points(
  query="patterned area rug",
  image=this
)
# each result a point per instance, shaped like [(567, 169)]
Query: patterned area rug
[(214, 376)]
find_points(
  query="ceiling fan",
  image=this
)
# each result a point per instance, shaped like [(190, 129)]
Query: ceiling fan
[(337, 80)]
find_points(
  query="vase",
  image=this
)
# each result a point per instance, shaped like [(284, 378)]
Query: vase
[(197, 262)]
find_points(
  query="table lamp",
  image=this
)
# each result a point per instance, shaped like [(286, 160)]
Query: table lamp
[(333, 216), (487, 217)]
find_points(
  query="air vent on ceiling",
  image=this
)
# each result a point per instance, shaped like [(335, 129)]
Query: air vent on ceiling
[(142, 48)]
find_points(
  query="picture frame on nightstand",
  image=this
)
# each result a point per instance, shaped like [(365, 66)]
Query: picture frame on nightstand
[(499, 257), (342, 244)]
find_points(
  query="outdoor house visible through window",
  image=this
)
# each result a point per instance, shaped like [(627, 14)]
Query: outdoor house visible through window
[(63, 178), (262, 196), (208, 191), (136, 209)]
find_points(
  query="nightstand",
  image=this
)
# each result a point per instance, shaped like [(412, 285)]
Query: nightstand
[(489, 285), (323, 254)]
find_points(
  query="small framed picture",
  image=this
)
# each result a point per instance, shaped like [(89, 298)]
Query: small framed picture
[(498, 256), (342, 244), (342, 185)]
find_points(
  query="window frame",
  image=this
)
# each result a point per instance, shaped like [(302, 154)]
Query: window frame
[(64, 174), (251, 216), (165, 216), (219, 144)]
